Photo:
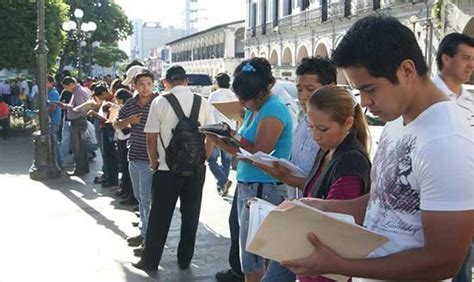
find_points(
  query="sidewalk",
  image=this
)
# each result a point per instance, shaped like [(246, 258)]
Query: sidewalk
[(71, 230)]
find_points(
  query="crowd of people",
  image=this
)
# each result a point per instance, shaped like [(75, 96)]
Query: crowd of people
[(417, 191)]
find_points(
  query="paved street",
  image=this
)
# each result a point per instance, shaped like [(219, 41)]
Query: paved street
[(71, 230)]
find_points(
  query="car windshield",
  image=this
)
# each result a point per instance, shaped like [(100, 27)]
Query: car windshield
[(199, 79)]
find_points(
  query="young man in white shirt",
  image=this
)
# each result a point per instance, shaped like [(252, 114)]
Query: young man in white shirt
[(221, 171), (455, 59), (167, 184), (421, 197)]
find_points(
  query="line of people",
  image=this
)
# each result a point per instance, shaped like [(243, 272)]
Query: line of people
[(417, 191)]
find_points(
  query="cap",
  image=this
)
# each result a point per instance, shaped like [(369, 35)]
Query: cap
[(176, 73), (131, 73)]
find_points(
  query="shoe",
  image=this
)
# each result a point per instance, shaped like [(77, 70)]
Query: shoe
[(108, 185), (228, 276), (183, 266), (142, 266), (99, 179), (138, 251), (127, 202), (135, 241), (75, 173), (225, 189), (135, 224)]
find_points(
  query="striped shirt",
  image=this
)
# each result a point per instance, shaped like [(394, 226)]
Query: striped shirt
[(137, 150)]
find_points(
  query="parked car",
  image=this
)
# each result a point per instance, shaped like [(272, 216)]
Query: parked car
[(200, 83)]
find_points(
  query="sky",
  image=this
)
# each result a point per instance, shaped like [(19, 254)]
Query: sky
[(171, 12)]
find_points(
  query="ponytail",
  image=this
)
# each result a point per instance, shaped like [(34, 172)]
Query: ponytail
[(360, 128)]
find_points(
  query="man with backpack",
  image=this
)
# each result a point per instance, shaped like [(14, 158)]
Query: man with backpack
[(177, 152)]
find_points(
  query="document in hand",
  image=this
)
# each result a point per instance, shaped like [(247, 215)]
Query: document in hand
[(269, 160), (221, 130), (86, 106), (231, 110), (283, 234)]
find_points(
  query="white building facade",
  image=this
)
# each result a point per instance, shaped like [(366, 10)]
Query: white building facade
[(149, 35), (285, 31), (214, 50)]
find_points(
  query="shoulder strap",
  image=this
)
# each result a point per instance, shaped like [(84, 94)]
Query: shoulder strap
[(195, 109), (175, 105)]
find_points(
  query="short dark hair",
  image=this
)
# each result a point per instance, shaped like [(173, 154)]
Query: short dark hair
[(50, 78), (252, 78), (379, 44), (100, 89), (450, 45), (176, 72), (143, 73), (322, 67), (135, 62), (223, 80), (117, 84), (123, 94), (68, 80)]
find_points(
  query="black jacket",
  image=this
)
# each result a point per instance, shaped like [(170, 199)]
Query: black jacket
[(349, 159)]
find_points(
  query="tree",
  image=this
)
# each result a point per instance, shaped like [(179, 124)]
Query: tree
[(106, 55), (112, 26), (18, 29)]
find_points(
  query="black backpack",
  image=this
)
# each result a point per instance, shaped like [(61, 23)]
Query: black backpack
[(185, 154)]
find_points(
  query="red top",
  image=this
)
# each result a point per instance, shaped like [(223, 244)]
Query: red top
[(4, 111)]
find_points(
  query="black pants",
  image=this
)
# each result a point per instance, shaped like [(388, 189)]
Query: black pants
[(5, 124), (111, 161), (126, 183), (78, 144), (234, 257), (167, 187)]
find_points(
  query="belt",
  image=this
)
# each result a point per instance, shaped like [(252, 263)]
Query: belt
[(251, 183)]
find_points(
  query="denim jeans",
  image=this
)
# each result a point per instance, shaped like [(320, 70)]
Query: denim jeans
[(271, 193), (278, 273), (220, 171), (142, 179), (65, 142), (53, 130)]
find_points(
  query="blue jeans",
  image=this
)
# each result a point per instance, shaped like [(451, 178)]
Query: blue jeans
[(65, 143), (142, 179), (53, 130), (220, 171), (271, 193), (278, 273)]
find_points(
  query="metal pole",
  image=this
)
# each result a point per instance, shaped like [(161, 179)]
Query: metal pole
[(44, 165)]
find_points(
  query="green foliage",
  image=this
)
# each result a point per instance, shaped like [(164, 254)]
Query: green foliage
[(106, 55), (436, 13), (18, 27), (112, 26)]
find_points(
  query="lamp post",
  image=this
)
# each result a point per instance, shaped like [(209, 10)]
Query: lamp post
[(44, 165), (81, 31)]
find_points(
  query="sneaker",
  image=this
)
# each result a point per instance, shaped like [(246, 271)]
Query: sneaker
[(228, 276), (225, 189), (138, 251), (135, 241)]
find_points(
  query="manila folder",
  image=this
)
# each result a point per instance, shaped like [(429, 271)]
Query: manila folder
[(283, 235), (232, 110)]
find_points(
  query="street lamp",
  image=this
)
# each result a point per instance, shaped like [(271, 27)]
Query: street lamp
[(44, 165), (81, 31)]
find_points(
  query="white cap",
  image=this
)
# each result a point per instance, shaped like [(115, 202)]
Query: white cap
[(134, 70)]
